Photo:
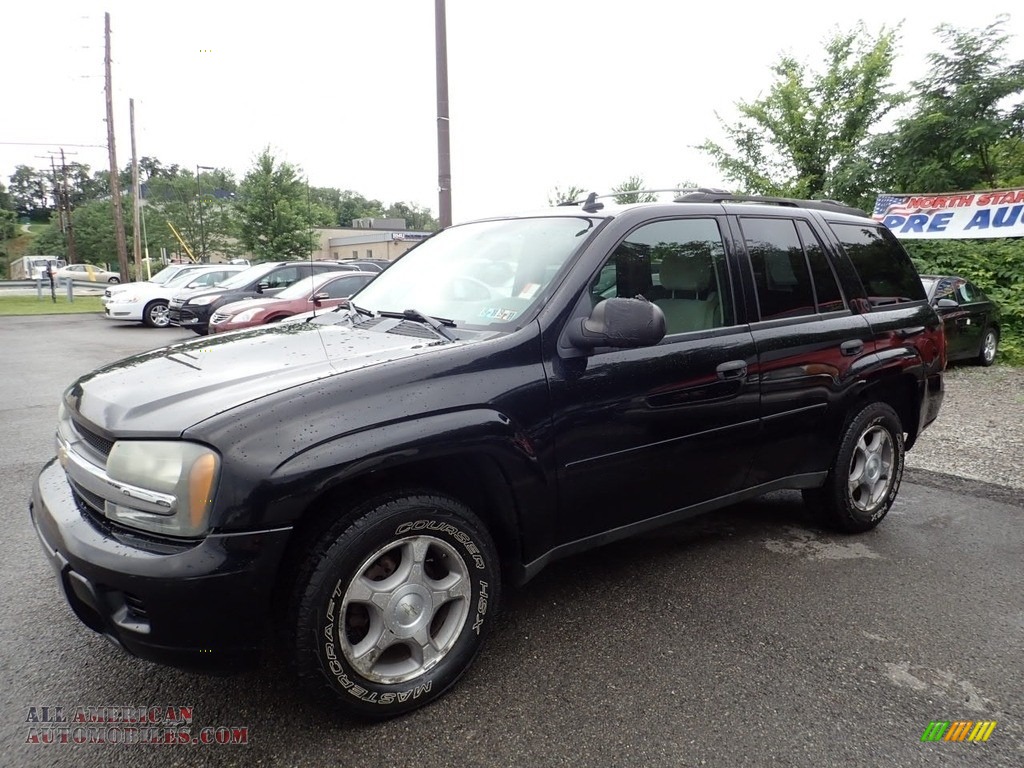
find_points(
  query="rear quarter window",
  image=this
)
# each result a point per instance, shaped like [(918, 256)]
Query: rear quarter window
[(884, 267)]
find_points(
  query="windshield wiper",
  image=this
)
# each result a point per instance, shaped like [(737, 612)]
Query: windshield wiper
[(360, 310), (437, 323)]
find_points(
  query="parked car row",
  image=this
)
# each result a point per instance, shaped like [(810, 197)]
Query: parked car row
[(218, 297)]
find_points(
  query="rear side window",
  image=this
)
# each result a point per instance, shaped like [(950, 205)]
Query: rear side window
[(884, 267), (826, 289), (781, 274)]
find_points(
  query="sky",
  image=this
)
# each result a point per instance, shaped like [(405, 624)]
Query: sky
[(543, 93)]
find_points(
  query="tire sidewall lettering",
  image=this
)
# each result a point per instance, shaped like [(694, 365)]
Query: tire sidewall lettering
[(331, 629)]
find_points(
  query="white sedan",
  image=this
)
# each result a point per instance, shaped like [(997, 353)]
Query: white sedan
[(147, 303), (86, 273)]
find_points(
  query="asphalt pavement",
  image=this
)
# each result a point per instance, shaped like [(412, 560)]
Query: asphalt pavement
[(746, 638)]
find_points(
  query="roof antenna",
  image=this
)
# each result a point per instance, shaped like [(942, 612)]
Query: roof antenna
[(591, 205)]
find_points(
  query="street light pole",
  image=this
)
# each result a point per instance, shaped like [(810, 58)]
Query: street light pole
[(444, 161)]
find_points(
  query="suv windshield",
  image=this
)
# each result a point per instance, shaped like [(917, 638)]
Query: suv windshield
[(485, 273)]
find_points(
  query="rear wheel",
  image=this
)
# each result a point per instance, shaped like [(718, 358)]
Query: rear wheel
[(989, 347), (392, 605), (156, 314), (865, 476), (114, 280)]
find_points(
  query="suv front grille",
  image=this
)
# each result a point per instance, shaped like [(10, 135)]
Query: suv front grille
[(99, 444)]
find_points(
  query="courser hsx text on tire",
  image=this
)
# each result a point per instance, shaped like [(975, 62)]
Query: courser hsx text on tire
[(391, 606)]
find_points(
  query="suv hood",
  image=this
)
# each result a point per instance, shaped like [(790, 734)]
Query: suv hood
[(170, 389)]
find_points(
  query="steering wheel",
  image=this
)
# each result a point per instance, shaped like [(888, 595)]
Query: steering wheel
[(479, 290)]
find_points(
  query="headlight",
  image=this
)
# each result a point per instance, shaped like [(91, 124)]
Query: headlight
[(202, 301), (166, 486), (245, 316)]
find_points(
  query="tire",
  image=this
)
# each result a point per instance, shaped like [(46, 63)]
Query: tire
[(375, 575), (156, 314), (114, 280), (865, 476), (200, 331), (989, 347)]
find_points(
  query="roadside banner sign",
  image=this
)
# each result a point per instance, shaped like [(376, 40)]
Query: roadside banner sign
[(954, 215)]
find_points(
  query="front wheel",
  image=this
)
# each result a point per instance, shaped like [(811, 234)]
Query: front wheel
[(392, 605), (865, 476), (989, 347), (156, 314)]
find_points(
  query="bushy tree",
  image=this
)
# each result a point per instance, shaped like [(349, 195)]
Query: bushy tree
[(810, 136), (274, 211), (964, 131)]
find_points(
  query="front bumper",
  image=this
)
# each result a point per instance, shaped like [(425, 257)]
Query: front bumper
[(192, 604), (112, 311), (190, 317)]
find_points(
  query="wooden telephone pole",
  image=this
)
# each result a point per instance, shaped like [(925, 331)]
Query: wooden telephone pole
[(115, 181)]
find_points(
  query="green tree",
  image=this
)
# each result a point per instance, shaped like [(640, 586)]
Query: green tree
[(416, 218), (273, 210), (8, 224), (352, 205), (94, 232), (965, 128), (30, 193), (629, 191), (810, 136), (49, 242), (202, 210), (570, 194)]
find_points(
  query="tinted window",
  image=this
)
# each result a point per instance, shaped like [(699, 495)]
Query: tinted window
[(344, 287), (783, 280), (826, 289), (282, 278), (884, 267), (680, 266)]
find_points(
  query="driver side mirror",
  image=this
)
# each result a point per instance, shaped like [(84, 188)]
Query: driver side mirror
[(319, 297), (622, 323), (261, 287), (946, 304)]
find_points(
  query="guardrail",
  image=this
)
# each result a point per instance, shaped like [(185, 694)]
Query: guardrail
[(57, 283)]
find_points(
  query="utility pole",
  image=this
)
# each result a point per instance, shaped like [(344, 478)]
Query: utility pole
[(444, 160), (67, 207), (62, 200), (115, 181), (136, 200)]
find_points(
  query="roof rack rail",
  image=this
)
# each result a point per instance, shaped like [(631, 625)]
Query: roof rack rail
[(707, 196), (590, 204)]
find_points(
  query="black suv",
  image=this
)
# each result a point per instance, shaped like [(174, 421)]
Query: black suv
[(509, 392), (193, 309)]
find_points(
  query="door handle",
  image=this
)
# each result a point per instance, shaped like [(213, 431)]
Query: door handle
[(734, 369), (852, 347)]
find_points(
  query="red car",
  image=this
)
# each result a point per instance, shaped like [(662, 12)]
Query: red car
[(324, 291)]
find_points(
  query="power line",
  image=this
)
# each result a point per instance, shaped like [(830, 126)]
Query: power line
[(48, 144)]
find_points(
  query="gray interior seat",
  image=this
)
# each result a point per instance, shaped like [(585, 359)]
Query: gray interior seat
[(692, 302)]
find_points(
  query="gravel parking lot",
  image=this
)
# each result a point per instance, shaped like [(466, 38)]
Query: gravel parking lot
[(979, 434)]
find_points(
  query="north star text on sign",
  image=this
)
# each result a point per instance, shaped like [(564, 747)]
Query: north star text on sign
[(1006, 216), (1006, 197)]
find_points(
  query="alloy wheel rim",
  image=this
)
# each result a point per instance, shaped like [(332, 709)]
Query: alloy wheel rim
[(990, 346), (871, 469), (160, 315), (404, 610)]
